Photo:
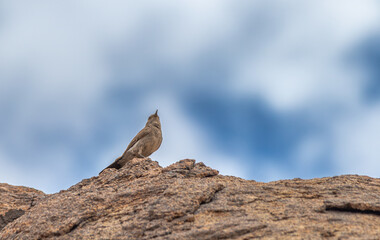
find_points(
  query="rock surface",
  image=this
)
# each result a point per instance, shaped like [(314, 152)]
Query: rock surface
[(189, 200), (14, 201)]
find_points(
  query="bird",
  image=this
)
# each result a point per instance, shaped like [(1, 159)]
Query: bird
[(146, 142)]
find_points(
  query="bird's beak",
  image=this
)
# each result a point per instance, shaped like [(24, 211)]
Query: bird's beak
[(156, 113)]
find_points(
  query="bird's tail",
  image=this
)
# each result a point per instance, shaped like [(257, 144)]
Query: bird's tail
[(121, 161)]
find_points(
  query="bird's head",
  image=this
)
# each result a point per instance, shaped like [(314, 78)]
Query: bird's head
[(154, 120)]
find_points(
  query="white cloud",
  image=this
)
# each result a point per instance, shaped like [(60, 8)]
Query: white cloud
[(300, 63), (52, 75), (54, 69), (51, 68)]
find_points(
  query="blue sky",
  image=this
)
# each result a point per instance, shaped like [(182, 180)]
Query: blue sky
[(263, 90)]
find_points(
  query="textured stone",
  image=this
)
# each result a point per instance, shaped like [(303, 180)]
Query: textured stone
[(189, 200), (15, 200)]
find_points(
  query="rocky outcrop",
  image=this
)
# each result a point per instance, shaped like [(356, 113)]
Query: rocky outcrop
[(189, 200), (14, 201)]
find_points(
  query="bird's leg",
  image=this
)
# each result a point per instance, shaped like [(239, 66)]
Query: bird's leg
[(139, 155)]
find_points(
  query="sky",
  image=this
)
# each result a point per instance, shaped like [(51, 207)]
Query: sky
[(262, 90)]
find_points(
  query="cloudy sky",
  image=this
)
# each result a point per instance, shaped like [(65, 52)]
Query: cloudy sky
[(263, 90)]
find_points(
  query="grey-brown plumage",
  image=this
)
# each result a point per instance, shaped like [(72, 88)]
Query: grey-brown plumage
[(146, 142)]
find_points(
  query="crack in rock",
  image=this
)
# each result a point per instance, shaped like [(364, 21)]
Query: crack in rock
[(351, 208)]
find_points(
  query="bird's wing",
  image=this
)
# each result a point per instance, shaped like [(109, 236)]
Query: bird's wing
[(145, 131)]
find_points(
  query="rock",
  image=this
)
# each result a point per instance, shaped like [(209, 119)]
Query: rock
[(15, 201), (189, 200)]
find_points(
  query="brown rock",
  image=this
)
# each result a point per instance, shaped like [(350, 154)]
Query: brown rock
[(189, 200), (15, 201)]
